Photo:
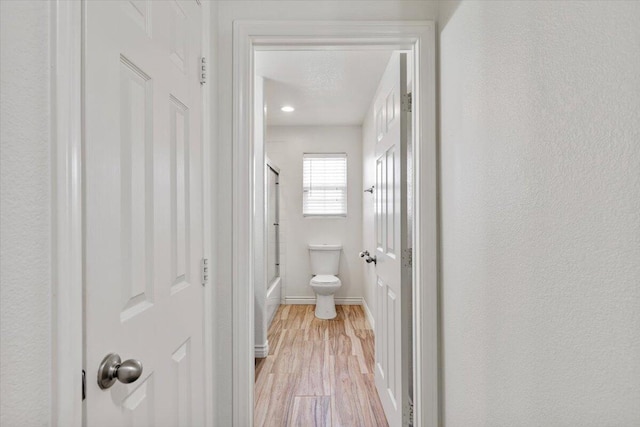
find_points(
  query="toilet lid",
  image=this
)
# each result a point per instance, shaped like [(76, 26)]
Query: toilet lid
[(325, 279)]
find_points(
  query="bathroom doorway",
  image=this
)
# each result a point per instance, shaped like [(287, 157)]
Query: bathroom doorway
[(314, 106), (418, 337), (338, 124)]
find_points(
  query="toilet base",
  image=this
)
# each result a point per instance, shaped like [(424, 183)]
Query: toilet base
[(325, 307)]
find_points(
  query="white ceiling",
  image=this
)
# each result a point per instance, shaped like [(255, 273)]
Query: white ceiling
[(325, 87)]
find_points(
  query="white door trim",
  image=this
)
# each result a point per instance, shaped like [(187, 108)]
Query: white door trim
[(67, 305), (207, 217), (67, 218), (419, 36)]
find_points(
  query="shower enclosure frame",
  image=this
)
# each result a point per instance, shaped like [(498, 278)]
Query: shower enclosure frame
[(267, 287), (272, 283), (270, 165)]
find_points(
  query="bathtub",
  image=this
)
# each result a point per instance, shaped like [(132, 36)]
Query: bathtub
[(266, 307)]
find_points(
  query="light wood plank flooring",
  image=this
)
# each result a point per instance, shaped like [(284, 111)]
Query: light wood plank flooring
[(318, 372)]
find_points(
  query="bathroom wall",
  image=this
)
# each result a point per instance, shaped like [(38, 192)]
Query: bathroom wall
[(540, 188), (259, 259), (285, 147)]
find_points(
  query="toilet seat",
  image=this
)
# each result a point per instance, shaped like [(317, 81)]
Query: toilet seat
[(325, 279)]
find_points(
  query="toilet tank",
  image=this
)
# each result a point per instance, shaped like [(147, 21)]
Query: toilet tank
[(325, 259)]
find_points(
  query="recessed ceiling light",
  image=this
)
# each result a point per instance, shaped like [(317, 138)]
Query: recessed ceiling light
[(288, 109)]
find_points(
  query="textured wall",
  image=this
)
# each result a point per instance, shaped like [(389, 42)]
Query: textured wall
[(25, 273), (540, 161), (285, 147)]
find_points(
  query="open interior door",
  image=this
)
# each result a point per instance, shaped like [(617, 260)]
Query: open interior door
[(144, 222), (393, 269)]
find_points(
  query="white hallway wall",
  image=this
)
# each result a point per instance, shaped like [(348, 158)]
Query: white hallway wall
[(224, 13), (540, 169), (25, 207), (285, 147)]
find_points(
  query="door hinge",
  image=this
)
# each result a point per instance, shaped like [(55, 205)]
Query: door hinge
[(204, 264), (407, 258), (203, 70), (84, 385), (407, 103)]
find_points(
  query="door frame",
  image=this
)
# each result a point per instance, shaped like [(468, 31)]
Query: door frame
[(67, 201), (67, 214), (417, 36)]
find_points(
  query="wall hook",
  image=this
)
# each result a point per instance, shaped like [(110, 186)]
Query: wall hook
[(370, 189)]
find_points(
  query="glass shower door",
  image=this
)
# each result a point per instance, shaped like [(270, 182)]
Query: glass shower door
[(273, 249)]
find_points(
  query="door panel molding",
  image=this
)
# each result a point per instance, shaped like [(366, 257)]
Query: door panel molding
[(419, 38), (67, 104)]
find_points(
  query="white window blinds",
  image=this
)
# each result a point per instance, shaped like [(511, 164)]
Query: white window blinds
[(324, 184)]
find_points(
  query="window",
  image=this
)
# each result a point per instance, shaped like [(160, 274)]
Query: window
[(324, 184)]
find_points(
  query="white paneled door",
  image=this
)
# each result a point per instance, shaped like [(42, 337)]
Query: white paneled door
[(144, 222), (393, 270)]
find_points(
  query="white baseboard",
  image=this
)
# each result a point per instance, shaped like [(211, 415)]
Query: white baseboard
[(312, 300), (369, 315), (261, 350)]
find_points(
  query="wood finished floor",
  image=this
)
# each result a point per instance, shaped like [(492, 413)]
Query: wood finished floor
[(318, 372)]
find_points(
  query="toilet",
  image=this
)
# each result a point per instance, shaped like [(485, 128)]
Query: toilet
[(325, 262)]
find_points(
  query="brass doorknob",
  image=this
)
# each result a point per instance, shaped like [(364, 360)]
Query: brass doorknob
[(112, 368)]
